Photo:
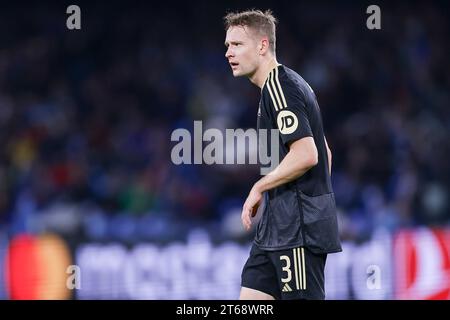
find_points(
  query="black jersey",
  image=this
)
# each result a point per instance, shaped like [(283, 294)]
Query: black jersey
[(303, 211)]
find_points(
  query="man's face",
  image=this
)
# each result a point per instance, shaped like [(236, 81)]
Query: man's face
[(242, 51)]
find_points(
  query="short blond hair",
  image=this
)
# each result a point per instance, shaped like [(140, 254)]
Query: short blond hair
[(262, 22)]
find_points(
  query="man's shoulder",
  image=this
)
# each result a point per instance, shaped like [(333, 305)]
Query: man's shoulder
[(288, 75), (294, 82), (284, 86)]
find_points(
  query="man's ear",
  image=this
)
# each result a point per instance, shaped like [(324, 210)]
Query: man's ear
[(264, 45)]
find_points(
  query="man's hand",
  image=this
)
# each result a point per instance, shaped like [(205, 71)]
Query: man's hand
[(301, 157), (251, 207)]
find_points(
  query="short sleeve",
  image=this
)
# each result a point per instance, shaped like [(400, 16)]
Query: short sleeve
[(288, 110)]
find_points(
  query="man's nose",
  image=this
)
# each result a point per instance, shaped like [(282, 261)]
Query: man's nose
[(229, 53)]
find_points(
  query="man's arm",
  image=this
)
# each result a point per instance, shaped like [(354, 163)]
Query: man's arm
[(329, 155), (301, 157)]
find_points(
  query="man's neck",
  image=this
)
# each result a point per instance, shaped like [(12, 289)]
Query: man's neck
[(260, 76)]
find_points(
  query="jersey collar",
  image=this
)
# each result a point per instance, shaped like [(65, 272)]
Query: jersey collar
[(268, 75)]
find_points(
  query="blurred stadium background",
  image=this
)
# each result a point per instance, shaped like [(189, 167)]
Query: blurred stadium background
[(85, 172)]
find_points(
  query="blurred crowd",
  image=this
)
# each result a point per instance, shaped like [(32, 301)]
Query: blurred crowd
[(86, 116)]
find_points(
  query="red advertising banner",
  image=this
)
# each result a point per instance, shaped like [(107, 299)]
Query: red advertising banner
[(422, 264)]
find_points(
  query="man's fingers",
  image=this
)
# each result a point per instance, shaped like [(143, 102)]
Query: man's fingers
[(246, 221)]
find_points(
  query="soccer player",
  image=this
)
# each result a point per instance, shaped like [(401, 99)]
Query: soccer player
[(298, 227)]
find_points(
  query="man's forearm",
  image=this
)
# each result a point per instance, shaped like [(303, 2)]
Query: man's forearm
[(293, 166)]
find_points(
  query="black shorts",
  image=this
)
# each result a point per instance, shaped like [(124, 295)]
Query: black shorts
[(286, 274)]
